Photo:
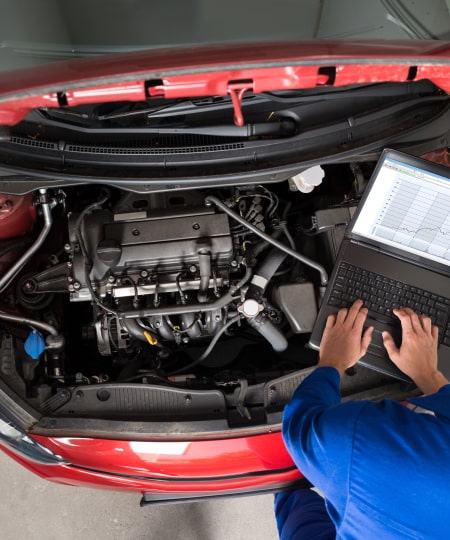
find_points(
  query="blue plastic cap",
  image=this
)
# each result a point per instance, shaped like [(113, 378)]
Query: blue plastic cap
[(34, 344)]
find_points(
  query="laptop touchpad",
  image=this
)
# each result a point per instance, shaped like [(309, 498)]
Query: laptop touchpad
[(376, 346)]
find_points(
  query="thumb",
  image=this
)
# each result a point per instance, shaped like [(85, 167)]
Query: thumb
[(366, 339), (390, 345)]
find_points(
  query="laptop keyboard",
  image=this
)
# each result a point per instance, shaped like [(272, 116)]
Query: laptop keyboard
[(381, 295)]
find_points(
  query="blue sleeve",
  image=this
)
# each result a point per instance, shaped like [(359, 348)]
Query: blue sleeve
[(318, 432), (438, 402)]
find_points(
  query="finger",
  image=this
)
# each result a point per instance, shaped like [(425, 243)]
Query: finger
[(415, 321), (353, 312), (361, 317), (390, 345), (404, 314), (416, 325), (331, 321), (426, 323), (435, 334), (366, 339), (341, 315)]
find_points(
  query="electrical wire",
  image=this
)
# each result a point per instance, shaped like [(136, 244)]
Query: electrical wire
[(309, 262), (210, 347), (87, 261), (180, 290), (129, 279)]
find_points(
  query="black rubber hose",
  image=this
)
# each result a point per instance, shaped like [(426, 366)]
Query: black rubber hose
[(268, 238)]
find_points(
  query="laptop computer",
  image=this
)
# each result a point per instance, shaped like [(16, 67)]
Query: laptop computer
[(396, 253)]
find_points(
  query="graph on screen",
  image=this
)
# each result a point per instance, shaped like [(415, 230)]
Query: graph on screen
[(415, 216)]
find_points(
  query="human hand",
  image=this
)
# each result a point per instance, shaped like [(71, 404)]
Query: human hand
[(417, 356), (343, 341)]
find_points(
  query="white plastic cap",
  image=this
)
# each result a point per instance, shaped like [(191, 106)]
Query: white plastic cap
[(250, 308), (307, 180)]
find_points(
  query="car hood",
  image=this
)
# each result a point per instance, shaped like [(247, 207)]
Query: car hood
[(218, 70)]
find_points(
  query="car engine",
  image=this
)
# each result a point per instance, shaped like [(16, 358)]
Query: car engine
[(173, 286)]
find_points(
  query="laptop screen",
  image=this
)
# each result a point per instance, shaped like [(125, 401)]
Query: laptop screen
[(407, 208)]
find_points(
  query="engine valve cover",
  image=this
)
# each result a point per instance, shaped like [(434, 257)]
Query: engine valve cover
[(158, 244)]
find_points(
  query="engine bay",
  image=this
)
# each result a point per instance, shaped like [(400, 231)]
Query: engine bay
[(197, 302)]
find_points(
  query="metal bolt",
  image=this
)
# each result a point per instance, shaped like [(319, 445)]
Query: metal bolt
[(77, 285), (188, 399), (196, 226), (71, 287), (69, 264), (157, 324), (192, 269), (186, 339), (217, 318), (234, 263), (67, 247), (135, 232), (28, 285), (69, 279), (144, 274), (111, 279)]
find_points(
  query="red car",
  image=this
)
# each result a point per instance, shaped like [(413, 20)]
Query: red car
[(169, 217)]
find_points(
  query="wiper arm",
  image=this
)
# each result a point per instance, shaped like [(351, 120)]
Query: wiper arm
[(127, 114), (284, 128), (185, 106)]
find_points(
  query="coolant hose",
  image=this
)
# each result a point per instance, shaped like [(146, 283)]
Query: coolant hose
[(323, 273), (268, 268), (270, 332), (18, 265)]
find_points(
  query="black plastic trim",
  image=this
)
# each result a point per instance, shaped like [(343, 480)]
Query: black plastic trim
[(426, 136), (152, 499)]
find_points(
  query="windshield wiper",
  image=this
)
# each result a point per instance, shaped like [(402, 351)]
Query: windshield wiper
[(286, 127)]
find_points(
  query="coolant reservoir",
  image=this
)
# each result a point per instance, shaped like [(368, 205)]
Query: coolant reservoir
[(17, 215), (307, 180)]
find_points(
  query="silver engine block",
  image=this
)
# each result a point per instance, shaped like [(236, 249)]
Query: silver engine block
[(157, 256)]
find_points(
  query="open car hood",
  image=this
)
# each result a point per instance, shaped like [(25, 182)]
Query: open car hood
[(216, 70), (235, 75), (144, 199)]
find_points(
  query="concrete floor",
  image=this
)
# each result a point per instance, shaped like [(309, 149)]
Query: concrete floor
[(34, 509)]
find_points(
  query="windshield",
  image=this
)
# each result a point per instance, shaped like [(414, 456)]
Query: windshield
[(34, 33)]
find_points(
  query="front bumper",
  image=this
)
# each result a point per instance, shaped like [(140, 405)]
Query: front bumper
[(175, 471)]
